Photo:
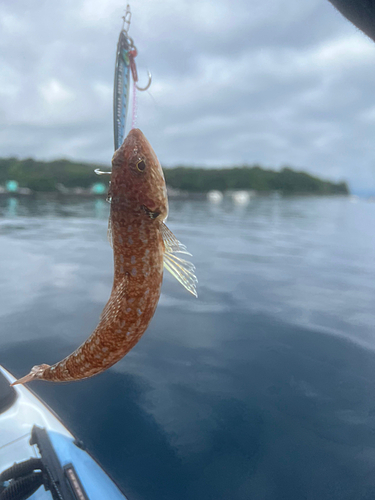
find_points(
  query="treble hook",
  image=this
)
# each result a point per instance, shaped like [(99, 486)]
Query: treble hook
[(148, 83)]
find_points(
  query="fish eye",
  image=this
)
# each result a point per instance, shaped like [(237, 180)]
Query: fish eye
[(141, 165)]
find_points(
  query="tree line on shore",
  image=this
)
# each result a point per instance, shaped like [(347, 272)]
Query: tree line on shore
[(47, 176)]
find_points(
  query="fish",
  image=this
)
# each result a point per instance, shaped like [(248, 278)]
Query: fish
[(142, 247)]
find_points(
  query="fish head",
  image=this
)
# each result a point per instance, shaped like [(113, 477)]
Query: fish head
[(138, 178)]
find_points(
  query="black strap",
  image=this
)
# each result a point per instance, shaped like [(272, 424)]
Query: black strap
[(21, 469), (23, 487)]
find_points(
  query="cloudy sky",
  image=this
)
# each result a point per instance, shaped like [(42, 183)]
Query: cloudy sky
[(275, 82)]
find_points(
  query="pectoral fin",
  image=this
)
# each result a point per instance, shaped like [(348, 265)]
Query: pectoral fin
[(181, 269)]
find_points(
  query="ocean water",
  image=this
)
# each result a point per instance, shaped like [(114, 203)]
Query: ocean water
[(262, 388)]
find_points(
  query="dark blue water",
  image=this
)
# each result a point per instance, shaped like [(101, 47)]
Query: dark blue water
[(263, 388)]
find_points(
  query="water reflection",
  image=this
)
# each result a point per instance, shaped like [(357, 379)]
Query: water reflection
[(259, 389), (101, 208), (11, 207)]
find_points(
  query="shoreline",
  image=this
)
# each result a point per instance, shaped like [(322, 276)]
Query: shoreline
[(173, 195)]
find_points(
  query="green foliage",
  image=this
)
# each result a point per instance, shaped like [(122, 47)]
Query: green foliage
[(255, 178), (46, 176)]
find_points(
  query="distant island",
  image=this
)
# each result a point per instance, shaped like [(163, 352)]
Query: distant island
[(60, 175)]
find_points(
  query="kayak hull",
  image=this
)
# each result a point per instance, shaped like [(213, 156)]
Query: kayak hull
[(22, 416)]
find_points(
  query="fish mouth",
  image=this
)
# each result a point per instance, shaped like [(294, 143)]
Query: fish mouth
[(135, 137), (136, 133)]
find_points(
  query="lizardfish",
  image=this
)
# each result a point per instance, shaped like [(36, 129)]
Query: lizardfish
[(142, 246)]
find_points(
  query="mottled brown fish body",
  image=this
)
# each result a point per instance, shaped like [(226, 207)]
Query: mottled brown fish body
[(138, 197), (138, 262), (134, 297), (142, 245)]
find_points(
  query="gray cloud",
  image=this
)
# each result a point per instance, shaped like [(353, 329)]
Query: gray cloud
[(278, 82)]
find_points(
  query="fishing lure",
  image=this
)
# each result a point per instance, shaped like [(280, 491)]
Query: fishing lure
[(125, 64)]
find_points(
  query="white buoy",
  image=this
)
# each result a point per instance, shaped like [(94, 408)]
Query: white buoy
[(215, 196), (241, 197)]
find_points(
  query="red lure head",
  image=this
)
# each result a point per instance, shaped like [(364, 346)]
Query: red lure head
[(137, 177)]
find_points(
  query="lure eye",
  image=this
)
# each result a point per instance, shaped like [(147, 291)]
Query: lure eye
[(141, 165)]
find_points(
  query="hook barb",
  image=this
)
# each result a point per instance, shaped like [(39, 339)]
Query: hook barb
[(99, 172)]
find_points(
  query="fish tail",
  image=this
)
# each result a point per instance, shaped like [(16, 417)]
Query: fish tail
[(36, 372)]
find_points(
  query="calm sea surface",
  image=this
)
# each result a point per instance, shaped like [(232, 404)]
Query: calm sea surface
[(262, 388)]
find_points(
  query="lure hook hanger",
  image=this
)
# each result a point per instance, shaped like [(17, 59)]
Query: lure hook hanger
[(127, 19)]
